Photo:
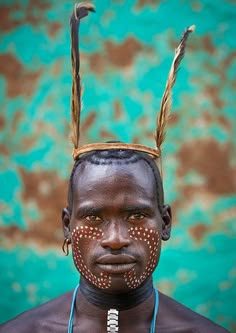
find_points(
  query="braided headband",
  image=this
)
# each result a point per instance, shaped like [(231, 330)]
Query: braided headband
[(81, 10), (115, 145)]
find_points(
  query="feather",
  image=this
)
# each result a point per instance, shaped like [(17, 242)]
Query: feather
[(164, 114), (81, 10)]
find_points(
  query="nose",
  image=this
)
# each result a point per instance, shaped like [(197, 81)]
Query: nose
[(116, 236)]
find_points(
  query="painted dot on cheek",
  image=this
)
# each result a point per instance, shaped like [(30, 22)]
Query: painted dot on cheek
[(78, 235), (131, 278)]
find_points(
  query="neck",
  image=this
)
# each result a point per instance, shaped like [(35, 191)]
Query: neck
[(120, 302)]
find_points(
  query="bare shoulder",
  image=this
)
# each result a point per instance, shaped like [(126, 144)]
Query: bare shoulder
[(49, 317), (175, 317)]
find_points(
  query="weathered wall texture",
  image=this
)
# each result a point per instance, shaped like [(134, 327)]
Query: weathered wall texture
[(126, 51)]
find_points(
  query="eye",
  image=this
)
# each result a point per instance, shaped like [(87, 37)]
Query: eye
[(92, 218), (136, 217)]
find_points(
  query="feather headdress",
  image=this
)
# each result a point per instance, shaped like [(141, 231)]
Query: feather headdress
[(81, 10), (164, 114)]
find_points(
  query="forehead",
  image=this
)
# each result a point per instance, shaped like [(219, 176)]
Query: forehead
[(120, 182)]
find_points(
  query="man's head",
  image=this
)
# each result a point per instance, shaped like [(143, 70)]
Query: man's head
[(116, 218)]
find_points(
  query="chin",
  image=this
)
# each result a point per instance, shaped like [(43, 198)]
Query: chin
[(118, 286)]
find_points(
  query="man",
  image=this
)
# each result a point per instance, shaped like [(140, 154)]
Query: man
[(115, 221)]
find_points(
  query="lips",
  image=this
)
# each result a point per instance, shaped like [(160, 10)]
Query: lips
[(115, 264)]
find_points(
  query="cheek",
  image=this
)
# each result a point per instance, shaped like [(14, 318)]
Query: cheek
[(82, 239), (151, 240)]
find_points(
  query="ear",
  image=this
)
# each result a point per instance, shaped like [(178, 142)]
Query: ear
[(65, 216), (166, 222)]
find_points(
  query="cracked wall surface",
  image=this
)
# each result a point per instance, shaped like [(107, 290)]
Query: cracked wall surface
[(126, 51)]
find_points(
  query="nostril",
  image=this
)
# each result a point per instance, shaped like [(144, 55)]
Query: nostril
[(115, 244), (115, 240)]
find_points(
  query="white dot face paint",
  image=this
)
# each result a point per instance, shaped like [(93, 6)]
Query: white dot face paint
[(149, 238), (93, 234), (103, 196)]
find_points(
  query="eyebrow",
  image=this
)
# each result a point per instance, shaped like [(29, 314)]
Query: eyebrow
[(140, 207), (90, 210)]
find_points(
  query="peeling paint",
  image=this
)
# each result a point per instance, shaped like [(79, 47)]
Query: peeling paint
[(126, 51)]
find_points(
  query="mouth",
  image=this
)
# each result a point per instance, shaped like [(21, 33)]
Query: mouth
[(116, 264), (116, 268)]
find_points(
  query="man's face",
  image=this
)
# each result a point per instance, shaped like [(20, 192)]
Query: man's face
[(115, 225)]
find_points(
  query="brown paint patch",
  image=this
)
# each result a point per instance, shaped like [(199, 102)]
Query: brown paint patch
[(173, 120), (119, 55), (206, 117), (213, 92), (19, 80), (212, 69), (233, 85), (118, 110), (7, 22), (49, 191), (189, 191), (56, 71), (136, 140), (226, 215), (208, 44), (28, 142), (229, 59), (188, 195), (3, 150), (88, 122), (12, 235), (195, 44), (142, 3), (123, 55), (33, 13), (2, 121), (54, 29), (198, 231), (143, 121), (211, 160), (219, 119), (149, 135), (222, 67), (18, 116), (224, 122), (97, 63), (49, 102), (39, 4), (196, 6)]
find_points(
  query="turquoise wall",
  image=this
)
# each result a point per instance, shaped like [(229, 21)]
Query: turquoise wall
[(126, 51)]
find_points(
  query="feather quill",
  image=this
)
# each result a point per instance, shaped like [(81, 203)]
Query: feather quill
[(166, 101), (81, 10)]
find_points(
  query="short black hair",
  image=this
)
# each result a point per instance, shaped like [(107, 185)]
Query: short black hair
[(116, 157)]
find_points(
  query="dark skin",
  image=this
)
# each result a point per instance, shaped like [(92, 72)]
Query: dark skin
[(124, 197), (115, 199)]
